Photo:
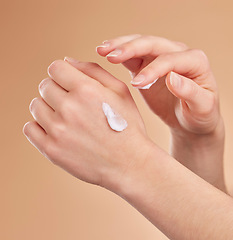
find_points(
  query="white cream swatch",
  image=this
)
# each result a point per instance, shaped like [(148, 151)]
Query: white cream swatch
[(115, 121)]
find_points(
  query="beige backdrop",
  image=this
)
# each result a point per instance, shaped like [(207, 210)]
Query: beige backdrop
[(39, 200)]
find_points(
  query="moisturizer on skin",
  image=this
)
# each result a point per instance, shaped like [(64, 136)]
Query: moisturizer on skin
[(115, 121)]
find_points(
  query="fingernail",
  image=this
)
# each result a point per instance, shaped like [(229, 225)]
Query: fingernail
[(32, 102), (115, 53), (24, 132), (175, 80), (132, 74), (105, 44), (138, 79), (43, 83), (148, 85), (71, 60)]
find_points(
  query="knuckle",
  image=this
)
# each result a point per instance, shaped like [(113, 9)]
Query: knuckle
[(123, 88), (211, 104), (58, 131), (193, 91), (182, 45), (87, 91), (200, 54), (65, 108)]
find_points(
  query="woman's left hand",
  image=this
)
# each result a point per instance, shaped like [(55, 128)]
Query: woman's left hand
[(71, 130)]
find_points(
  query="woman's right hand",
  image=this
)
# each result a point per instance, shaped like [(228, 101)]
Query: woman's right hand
[(185, 97)]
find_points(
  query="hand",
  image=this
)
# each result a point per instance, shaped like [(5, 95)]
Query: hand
[(71, 130), (185, 95)]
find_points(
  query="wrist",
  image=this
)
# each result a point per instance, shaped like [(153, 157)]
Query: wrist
[(134, 157), (196, 142), (136, 181), (202, 154)]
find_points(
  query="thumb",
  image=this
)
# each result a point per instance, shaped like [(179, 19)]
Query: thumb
[(198, 99)]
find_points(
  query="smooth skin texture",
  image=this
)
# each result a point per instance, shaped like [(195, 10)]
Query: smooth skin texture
[(70, 129), (185, 97), (70, 126)]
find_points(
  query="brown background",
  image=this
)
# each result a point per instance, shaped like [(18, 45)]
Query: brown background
[(40, 201)]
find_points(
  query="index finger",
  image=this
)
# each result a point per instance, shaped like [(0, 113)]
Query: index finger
[(119, 51), (66, 75)]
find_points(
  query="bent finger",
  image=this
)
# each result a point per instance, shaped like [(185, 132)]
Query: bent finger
[(42, 113), (66, 75), (190, 92), (191, 63), (35, 134), (52, 93), (143, 46), (109, 45), (96, 72)]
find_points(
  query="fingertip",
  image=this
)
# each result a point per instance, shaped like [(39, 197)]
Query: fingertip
[(103, 49), (115, 53), (98, 50), (70, 60), (54, 66), (25, 129), (173, 82), (116, 57)]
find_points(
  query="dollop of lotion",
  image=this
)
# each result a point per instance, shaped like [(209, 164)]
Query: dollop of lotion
[(115, 121)]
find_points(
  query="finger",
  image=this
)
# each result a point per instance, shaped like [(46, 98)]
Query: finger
[(66, 75), (191, 63), (143, 46), (42, 113), (52, 93), (190, 92), (110, 45), (96, 72), (35, 134)]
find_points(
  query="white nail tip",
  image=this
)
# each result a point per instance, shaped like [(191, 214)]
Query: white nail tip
[(103, 46), (114, 53), (148, 85), (132, 74)]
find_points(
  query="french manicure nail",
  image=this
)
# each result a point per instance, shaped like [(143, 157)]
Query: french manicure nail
[(132, 74), (148, 85), (138, 79), (115, 53), (70, 59), (104, 45), (175, 80)]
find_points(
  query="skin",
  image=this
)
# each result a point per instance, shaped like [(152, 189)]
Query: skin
[(70, 126), (70, 129), (185, 97)]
